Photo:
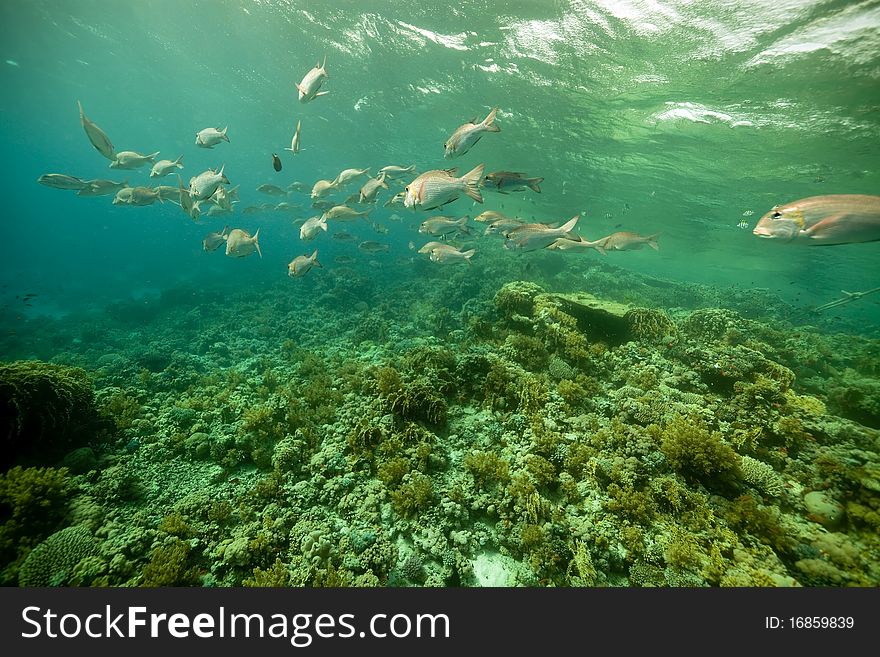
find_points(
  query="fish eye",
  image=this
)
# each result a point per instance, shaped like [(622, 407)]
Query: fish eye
[(406, 189), (776, 214)]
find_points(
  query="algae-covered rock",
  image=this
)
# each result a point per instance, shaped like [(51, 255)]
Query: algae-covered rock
[(824, 509), (599, 319), (45, 409)]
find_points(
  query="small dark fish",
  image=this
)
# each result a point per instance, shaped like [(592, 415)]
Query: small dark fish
[(343, 236), (276, 162)]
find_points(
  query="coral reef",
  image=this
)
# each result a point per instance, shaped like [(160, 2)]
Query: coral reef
[(588, 428)]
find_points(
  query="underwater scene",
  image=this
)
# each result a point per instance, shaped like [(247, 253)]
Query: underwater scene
[(578, 293)]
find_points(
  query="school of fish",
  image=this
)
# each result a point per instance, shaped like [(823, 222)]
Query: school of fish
[(820, 220)]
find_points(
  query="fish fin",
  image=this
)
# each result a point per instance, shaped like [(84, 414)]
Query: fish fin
[(223, 132), (488, 122), (472, 183), (321, 93), (568, 226), (299, 88), (533, 184), (257, 242), (823, 224)]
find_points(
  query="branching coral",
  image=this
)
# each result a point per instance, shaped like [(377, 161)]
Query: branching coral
[(695, 451)]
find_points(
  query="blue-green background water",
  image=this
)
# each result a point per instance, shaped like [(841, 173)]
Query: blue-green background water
[(671, 117)]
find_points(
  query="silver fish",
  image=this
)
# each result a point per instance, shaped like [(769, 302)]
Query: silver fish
[(444, 225), (206, 183), (272, 190), (511, 181), (101, 187), (62, 181), (312, 227), (439, 187), (371, 188), (468, 134), (96, 136), (371, 246), (566, 244), (446, 254), (625, 241), (343, 213), (213, 241), (323, 187), (347, 175), (164, 167), (529, 237), (301, 265), (210, 137), (141, 195), (239, 243), (295, 145), (393, 171), (311, 83), (132, 160)]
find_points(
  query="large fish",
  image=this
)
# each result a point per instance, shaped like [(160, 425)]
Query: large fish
[(530, 237), (823, 220), (311, 83), (439, 187), (468, 134), (97, 136)]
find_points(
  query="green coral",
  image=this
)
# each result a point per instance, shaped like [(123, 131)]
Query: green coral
[(169, 566), (52, 562), (649, 324), (44, 408), (415, 494), (32, 503), (517, 298), (277, 575), (415, 399), (487, 468), (695, 451)]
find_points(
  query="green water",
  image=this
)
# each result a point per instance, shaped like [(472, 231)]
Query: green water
[(687, 120)]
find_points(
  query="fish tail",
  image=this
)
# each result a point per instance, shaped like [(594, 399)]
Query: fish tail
[(223, 132), (314, 259), (472, 183), (179, 162), (651, 241), (152, 157), (533, 184), (568, 226), (467, 255), (489, 121), (257, 242)]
